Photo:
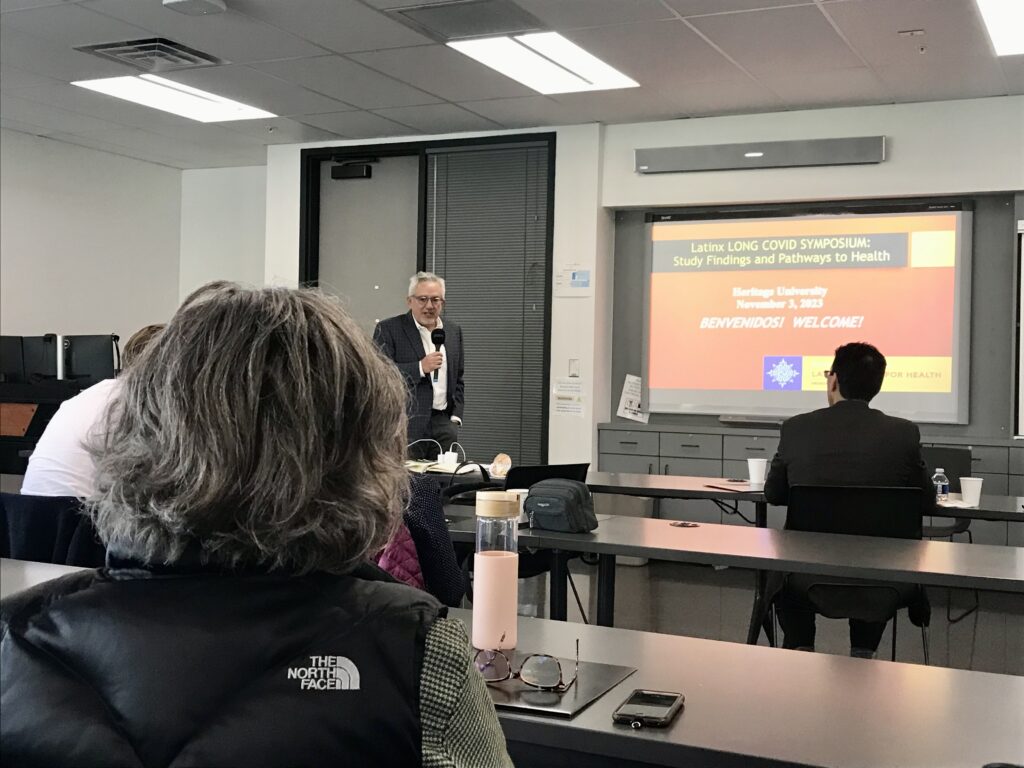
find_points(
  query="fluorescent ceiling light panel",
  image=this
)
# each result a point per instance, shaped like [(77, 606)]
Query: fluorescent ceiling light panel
[(1004, 20), (176, 98), (753, 154), (601, 76), (545, 62)]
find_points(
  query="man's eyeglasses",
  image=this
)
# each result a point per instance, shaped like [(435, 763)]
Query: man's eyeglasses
[(424, 300), (538, 670)]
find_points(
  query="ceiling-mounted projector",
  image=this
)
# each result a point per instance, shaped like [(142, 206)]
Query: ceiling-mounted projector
[(196, 7)]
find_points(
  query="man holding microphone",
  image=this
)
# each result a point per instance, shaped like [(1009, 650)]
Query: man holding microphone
[(428, 352)]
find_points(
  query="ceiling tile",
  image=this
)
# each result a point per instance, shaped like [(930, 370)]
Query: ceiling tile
[(17, 5), (526, 112), (231, 36), (71, 25), (444, 72), (952, 29), (348, 81), (385, 4), (50, 118), (340, 25), (258, 89), (145, 142), (357, 125), (438, 118), (92, 142), (17, 125), (725, 98), (657, 53), (936, 80), (575, 14), (13, 78), (702, 7), (43, 57), (278, 130), (830, 87), (778, 41), (622, 106)]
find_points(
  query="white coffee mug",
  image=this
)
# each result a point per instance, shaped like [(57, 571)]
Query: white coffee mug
[(970, 490)]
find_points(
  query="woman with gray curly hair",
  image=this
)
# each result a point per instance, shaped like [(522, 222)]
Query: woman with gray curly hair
[(250, 465)]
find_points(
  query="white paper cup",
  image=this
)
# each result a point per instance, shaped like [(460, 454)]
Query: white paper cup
[(970, 490), (757, 469), (522, 493)]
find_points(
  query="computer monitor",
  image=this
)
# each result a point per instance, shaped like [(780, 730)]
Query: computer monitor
[(89, 359), (12, 360), (40, 356)]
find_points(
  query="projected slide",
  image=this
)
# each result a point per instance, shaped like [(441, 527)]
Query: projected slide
[(744, 314)]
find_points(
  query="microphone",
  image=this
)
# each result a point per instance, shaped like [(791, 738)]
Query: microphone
[(437, 337)]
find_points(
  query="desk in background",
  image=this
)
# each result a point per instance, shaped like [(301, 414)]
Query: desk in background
[(933, 563)]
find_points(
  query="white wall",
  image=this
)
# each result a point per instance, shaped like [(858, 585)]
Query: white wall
[(223, 219), (88, 240), (933, 148)]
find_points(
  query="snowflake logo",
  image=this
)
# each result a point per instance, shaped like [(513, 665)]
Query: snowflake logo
[(783, 373)]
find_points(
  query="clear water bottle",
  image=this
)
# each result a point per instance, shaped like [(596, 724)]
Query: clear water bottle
[(496, 570), (941, 483)]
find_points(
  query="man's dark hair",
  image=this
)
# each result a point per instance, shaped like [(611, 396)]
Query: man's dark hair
[(860, 368)]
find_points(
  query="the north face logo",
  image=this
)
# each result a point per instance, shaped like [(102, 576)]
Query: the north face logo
[(326, 673)]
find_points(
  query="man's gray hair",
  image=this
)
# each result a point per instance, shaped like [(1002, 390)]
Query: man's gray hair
[(265, 427), (424, 277)]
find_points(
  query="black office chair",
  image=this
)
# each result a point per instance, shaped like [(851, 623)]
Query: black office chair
[(48, 529), (859, 511), (956, 463)]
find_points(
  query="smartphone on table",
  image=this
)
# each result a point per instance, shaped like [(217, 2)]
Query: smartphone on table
[(646, 708)]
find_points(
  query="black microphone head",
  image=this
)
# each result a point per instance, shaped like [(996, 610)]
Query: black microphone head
[(437, 337)]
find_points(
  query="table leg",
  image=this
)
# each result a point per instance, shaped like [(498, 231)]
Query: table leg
[(558, 591), (606, 590), (761, 514), (760, 615)]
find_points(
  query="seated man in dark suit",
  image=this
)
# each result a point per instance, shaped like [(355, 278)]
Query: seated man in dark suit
[(847, 443)]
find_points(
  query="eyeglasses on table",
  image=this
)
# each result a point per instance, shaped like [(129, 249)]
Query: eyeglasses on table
[(538, 670)]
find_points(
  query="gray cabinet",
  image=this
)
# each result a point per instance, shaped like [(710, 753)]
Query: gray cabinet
[(639, 465), (990, 460), (691, 445), (1017, 461), (626, 442), (750, 447)]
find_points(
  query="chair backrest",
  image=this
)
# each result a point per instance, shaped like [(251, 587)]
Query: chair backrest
[(956, 462), (856, 510), (48, 529), (524, 477)]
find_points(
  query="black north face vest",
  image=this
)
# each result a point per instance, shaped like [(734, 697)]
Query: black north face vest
[(128, 667)]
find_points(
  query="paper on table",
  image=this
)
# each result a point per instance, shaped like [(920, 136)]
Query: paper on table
[(629, 402)]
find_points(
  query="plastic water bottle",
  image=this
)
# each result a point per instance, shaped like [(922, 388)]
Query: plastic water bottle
[(941, 483), (496, 570)]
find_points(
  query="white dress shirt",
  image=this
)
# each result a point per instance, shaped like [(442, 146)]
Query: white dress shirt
[(441, 383), (60, 465)]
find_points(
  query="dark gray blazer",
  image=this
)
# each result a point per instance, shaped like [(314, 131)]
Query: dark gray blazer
[(848, 443), (399, 339)]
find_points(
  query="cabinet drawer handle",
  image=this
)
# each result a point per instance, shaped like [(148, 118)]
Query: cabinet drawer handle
[(688, 445), (650, 468), (975, 458), (666, 470), (754, 448), (628, 442)]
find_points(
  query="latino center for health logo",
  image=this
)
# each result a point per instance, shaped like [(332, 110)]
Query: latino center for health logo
[(782, 372), (326, 673)]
